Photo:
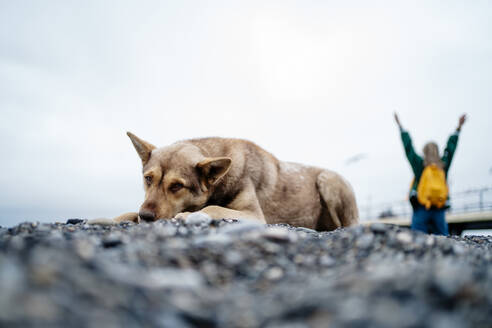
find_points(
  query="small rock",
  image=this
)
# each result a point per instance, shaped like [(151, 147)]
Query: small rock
[(40, 307), (232, 273), (429, 242), (165, 230), (274, 273), (365, 241), (277, 234), (111, 242), (101, 222), (45, 227), (84, 249), (379, 227), (155, 278), (307, 230), (458, 249), (74, 221), (233, 257), (241, 226), (217, 238), (404, 237), (288, 325), (450, 278), (358, 230), (327, 261), (173, 278), (198, 218)]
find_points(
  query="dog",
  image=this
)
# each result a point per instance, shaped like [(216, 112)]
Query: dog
[(235, 178)]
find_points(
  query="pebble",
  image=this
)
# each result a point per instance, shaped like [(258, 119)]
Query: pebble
[(111, 242), (172, 278), (274, 273), (458, 249), (165, 230), (306, 230), (378, 227), (44, 227), (84, 248), (277, 234), (241, 227), (217, 239), (365, 241), (429, 242), (198, 218), (326, 261), (233, 258), (404, 237), (75, 221), (240, 273)]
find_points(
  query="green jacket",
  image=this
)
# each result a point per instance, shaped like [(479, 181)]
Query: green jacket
[(417, 162)]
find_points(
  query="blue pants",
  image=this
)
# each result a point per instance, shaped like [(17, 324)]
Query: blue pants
[(432, 220)]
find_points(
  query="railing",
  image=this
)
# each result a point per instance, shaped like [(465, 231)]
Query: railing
[(472, 200)]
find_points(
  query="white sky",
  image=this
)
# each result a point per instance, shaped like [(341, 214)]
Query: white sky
[(314, 82)]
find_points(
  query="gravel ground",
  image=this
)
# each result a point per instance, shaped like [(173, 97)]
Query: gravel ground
[(225, 273)]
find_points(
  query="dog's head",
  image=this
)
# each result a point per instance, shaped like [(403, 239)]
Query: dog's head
[(177, 178)]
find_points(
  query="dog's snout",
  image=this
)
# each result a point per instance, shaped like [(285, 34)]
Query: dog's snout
[(147, 216)]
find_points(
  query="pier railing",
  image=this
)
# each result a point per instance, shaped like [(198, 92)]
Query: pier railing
[(468, 201)]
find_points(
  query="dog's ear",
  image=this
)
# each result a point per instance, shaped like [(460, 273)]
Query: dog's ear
[(143, 147), (212, 169)]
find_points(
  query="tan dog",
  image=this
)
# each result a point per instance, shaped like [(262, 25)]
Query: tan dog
[(233, 178)]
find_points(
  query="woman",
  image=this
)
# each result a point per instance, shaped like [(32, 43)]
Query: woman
[(426, 217)]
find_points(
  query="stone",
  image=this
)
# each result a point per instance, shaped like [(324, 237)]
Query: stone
[(429, 242), (233, 258), (75, 221), (165, 230), (274, 273), (306, 230), (102, 222), (458, 249), (277, 234), (220, 239), (404, 237), (111, 242), (239, 273), (40, 307), (378, 227), (326, 261), (198, 218), (241, 227), (45, 227), (85, 249), (365, 241)]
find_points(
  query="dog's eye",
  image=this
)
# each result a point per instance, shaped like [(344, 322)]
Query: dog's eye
[(175, 187), (148, 180)]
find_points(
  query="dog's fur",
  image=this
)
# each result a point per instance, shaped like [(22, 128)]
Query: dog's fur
[(233, 178)]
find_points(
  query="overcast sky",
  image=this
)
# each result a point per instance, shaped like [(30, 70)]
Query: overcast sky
[(314, 82)]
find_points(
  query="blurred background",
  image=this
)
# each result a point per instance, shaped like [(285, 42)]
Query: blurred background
[(314, 82)]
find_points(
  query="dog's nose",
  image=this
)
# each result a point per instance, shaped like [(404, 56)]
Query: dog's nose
[(147, 216)]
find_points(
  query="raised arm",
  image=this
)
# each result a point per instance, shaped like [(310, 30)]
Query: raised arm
[(415, 160), (452, 144)]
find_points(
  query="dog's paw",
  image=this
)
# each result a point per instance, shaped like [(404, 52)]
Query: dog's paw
[(132, 216), (101, 221), (182, 215)]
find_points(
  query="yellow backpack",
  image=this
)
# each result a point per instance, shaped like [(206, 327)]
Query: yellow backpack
[(432, 189)]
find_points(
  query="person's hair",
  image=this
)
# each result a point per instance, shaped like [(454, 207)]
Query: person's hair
[(431, 155)]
